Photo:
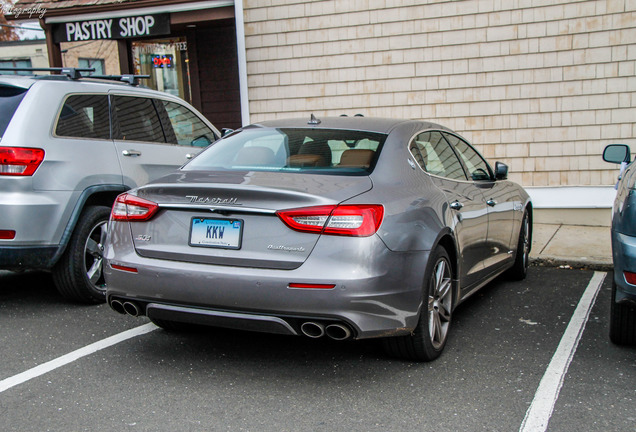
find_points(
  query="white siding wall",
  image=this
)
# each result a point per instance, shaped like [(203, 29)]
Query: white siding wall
[(542, 85)]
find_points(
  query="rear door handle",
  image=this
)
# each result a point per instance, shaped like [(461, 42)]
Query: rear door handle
[(189, 156), (131, 153), (456, 205)]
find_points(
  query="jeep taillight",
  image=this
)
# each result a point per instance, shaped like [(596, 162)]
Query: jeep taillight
[(132, 208), (345, 220), (20, 161)]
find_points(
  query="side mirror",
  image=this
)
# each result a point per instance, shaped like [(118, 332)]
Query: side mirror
[(226, 131), (201, 141), (617, 153), (501, 171)]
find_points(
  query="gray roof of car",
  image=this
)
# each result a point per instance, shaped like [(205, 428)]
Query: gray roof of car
[(369, 124)]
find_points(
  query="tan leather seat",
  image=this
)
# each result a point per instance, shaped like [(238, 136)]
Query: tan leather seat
[(356, 158), (306, 160)]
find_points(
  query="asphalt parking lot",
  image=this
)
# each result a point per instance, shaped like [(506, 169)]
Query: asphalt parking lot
[(504, 341)]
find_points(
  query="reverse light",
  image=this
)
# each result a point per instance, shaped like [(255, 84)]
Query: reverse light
[(129, 207), (344, 220), (20, 161)]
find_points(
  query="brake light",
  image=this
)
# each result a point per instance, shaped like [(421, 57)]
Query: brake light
[(20, 161), (345, 220), (132, 208)]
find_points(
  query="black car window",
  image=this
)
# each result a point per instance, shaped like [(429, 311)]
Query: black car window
[(10, 98), (478, 168), (435, 156), (188, 128), (320, 151), (137, 120), (84, 116)]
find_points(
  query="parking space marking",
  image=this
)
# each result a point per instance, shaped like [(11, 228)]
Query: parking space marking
[(540, 411), (37, 371)]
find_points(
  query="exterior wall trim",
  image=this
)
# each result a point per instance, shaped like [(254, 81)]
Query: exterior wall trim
[(210, 4), (242, 62), (572, 197)]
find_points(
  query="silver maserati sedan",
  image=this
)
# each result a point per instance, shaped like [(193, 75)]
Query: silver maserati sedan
[(344, 227)]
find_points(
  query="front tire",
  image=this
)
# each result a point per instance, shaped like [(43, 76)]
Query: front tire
[(78, 275), (622, 321), (428, 339)]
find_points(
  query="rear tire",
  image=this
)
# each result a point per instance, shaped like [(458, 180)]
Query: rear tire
[(429, 337), (78, 275), (622, 321)]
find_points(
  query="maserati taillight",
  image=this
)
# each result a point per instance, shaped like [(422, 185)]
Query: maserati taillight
[(129, 207), (359, 220)]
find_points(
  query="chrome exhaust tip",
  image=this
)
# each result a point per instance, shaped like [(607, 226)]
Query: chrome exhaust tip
[(313, 329), (131, 309), (338, 332), (118, 307)]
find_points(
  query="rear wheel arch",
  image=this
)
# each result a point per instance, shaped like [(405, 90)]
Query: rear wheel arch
[(102, 195)]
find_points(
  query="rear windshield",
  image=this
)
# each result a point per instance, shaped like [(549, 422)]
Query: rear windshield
[(10, 98), (320, 151)]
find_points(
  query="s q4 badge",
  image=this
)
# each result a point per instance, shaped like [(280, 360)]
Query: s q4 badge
[(143, 237)]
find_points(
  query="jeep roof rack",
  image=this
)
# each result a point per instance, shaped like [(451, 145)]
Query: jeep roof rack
[(76, 73)]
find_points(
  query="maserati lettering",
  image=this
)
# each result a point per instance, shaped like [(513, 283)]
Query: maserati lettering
[(207, 200)]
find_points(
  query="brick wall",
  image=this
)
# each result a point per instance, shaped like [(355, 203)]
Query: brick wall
[(542, 85)]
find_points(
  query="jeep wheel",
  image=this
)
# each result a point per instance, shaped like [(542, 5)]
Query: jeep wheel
[(78, 276)]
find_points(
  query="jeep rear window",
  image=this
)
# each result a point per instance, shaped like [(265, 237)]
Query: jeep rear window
[(319, 151), (84, 116), (10, 98)]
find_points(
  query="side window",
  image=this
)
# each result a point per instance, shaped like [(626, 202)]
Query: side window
[(137, 120), (435, 156), (478, 168), (188, 128), (84, 116)]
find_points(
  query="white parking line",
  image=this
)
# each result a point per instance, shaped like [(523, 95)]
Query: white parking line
[(540, 411), (35, 372)]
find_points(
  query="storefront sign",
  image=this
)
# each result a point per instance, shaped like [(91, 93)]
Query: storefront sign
[(112, 28)]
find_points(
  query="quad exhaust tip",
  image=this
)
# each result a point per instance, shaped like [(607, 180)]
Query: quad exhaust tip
[(316, 330), (312, 329), (124, 308), (338, 332)]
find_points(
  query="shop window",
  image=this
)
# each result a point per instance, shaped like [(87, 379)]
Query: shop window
[(84, 116), (188, 129), (17, 63), (87, 63), (166, 61), (137, 120)]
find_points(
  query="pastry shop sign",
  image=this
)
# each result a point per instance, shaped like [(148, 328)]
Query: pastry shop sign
[(112, 28)]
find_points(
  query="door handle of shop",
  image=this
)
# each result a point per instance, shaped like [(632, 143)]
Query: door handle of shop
[(491, 202), (456, 205), (131, 153)]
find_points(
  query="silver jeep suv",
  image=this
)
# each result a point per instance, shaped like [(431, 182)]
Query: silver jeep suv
[(69, 145)]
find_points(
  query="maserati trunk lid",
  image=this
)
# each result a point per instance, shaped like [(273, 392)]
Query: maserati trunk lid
[(230, 218)]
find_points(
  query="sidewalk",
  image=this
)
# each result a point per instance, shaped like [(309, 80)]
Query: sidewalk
[(572, 245)]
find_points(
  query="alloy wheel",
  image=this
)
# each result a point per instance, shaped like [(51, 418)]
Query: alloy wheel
[(440, 303), (94, 255)]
